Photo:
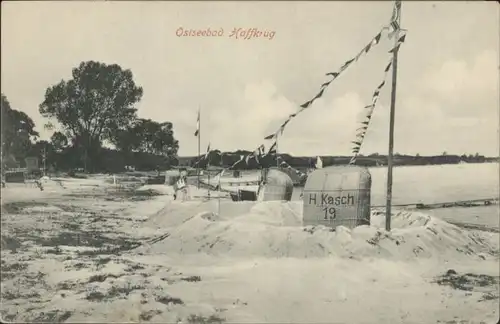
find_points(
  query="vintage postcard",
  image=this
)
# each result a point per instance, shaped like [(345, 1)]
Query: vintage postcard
[(250, 162)]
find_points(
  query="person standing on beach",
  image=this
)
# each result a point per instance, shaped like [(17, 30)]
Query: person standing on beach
[(181, 185)]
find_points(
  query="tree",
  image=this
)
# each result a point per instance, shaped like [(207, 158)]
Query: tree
[(148, 136), (59, 141), (18, 131), (97, 101)]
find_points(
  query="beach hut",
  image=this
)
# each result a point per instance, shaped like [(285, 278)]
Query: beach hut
[(298, 178), (276, 185), (337, 196), (171, 177), (31, 164)]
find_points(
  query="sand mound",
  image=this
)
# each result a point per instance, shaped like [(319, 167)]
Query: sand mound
[(274, 229)]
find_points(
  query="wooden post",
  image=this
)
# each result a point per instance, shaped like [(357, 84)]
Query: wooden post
[(218, 194), (199, 136), (208, 174), (391, 123), (277, 160), (44, 159)]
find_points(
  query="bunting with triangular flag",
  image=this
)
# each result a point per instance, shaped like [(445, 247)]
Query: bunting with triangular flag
[(334, 75), (392, 27)]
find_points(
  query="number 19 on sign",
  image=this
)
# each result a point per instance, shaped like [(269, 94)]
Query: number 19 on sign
[(329, 213)]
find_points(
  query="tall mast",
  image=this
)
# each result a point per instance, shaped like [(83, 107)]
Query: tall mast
[(392, 117), (44, 156), (199, 136)]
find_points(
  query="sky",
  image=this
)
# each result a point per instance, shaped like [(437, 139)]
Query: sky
[(447, 84)]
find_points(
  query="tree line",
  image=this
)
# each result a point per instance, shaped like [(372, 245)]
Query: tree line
[(226, 159), (88, 113)]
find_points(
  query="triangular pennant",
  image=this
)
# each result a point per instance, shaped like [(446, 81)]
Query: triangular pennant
[(377, 38), (282, 127), (346, 64), (357, 143), (362, 128), (355, 150), (326, 84), (292, 115), (402, 39), (358, 56), (394, 49), (306, 104), (381, 85), (268, 137), (369, 116), (284, 124), (388, 66), (333, 74), (365, 123), (369, 106), (368, 47), (376, 93), (319, 94)]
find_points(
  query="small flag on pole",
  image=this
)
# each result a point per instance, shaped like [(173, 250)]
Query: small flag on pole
[(208, 151), (319, 163), (197, 125)]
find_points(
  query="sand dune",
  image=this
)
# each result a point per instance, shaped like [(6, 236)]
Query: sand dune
[(274, 229)]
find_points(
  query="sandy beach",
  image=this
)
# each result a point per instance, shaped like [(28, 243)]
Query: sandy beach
[(87, 251)]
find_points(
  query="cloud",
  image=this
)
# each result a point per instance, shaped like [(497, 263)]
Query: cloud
[(424, 125), (255, 111), (466, 88), (329, 125)]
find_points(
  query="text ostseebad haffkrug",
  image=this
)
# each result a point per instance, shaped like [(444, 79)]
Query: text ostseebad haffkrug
[(236, 33)]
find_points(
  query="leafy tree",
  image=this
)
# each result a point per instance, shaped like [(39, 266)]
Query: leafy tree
[(148, 136), (18, 131), (90, 107), (59, 141)]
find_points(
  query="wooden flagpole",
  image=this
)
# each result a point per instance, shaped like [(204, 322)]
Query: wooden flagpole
[(391, 121), (208, 171), (199, 148), (277, 160), (44, 156)]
